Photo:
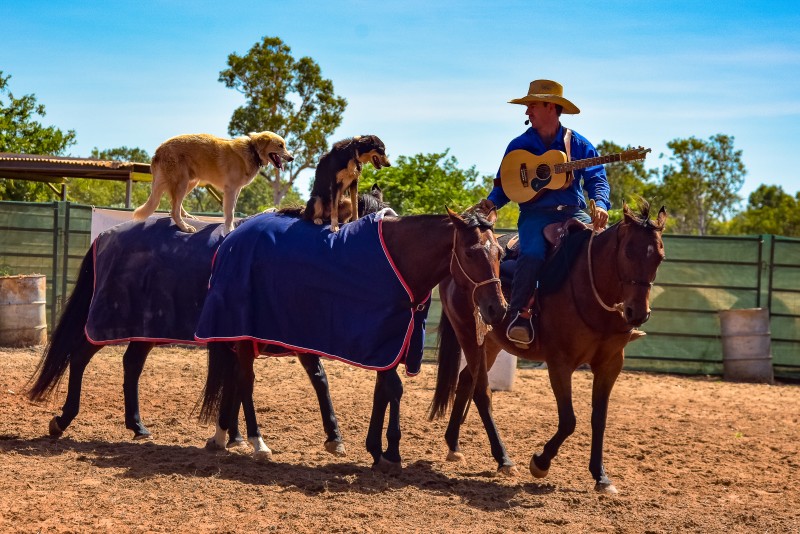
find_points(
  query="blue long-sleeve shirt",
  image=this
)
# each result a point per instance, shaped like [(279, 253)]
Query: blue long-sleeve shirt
[(594, 178)]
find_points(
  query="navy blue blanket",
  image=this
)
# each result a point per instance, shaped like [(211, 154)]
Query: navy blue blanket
[(150, 281), (288, 282)]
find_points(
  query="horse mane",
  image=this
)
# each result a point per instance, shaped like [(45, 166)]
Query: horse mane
[(477, 219), (642, 218)]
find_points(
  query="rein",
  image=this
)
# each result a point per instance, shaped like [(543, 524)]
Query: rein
[(481, 327), (618, 306)]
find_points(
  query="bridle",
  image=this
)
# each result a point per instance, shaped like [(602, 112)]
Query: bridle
[(475, 285), (481, 328), (618, 307)]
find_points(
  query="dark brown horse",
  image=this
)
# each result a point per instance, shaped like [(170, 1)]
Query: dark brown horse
[(69, 348), (587, 320), (425, 249)]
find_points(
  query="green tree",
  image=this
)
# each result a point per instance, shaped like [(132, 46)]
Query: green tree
[(111, 193), (627, 181), (426, 183), (286, 96), (22, 133), (701, 182), (770, 210)]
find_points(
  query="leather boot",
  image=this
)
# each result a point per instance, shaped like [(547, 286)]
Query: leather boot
[(520, 329)]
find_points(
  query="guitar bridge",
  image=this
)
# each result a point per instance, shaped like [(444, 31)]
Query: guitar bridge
[(523, 175)]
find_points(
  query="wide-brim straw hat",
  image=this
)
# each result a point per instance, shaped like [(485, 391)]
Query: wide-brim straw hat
[(547, 91)]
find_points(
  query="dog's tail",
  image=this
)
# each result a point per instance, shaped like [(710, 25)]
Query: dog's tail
[(148, 208)]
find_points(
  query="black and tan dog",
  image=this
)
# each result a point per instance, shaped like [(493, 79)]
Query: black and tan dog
[(338, 171)]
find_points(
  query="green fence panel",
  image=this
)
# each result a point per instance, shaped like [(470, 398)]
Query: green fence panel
[(701, 276), (49, 239)]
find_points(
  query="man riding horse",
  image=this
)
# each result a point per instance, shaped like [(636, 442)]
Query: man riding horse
[(544, 106)]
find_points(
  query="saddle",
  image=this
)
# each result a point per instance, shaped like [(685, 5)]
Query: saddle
[(556, 235)]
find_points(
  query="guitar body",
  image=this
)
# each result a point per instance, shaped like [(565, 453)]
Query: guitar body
[(525, 176)]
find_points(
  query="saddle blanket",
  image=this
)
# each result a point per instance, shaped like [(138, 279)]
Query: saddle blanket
[(285, 281), (150, 281)]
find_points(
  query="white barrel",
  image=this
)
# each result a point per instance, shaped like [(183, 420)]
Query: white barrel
[(746, 345), (23, 310), (503, 372)]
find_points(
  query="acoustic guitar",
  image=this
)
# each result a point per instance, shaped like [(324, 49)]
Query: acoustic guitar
[(525, 176)]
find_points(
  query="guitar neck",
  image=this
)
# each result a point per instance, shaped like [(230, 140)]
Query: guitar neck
[(583, 163)]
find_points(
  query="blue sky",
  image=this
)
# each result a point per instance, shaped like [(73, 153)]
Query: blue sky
[(426, 76)]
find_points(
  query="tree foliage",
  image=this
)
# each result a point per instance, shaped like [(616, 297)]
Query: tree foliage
[(770, 210), (629, 180), (21, 132), (111, 193), (701, 182), (426, 183), (286, 96)]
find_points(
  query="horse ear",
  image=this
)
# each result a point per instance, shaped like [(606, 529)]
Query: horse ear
[(662, 217), (455, 217), (627, 213), (375, 189)]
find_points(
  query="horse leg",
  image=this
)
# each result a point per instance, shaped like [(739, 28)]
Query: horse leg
[(453, 432), (483, 402), (605, 375), (388, 391), (78, 361), (316, 373), (561, 383), (246, 352), (132, 365), (230, 402)]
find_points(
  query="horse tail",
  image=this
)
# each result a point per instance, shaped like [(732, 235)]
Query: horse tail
[(220, 380), (68, 335), (449, 357)]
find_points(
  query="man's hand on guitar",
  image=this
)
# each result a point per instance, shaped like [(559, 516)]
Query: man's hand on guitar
[(599, 219)]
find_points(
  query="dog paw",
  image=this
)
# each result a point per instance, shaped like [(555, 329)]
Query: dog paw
[(334, 229), (317, 221)]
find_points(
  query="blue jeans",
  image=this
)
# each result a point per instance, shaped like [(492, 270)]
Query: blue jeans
[(533, 248), (531, 223)]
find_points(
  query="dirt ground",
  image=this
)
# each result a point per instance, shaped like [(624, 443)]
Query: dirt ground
[(687, 454)]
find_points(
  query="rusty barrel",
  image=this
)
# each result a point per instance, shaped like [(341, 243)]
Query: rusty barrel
[(23, 310), (746, 345)]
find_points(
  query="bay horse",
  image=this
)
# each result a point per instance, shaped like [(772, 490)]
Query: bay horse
[(424, 250), (587, 320)]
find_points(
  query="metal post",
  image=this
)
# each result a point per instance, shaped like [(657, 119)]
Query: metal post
[(128, 190)]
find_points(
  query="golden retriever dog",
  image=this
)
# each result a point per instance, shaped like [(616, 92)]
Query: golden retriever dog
[(338, 171), (183, 162)]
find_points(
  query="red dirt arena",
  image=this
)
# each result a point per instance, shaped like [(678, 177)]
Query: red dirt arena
[(688, 454)]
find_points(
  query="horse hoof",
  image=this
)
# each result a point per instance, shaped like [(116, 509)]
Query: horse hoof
[(386, 467), (262, 456), (606, 488), (212, 445), (455, 456), (535, 471), (54, 429), (510, 471), (235, 443), (143, 437), (336, 448)]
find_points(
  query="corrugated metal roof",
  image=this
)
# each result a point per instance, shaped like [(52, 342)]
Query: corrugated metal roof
[(47, 168)]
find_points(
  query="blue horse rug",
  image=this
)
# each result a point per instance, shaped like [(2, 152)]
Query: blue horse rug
[(287, 282), (150, 281)]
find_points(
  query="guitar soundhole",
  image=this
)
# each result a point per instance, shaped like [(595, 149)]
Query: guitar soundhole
[(543, 172)]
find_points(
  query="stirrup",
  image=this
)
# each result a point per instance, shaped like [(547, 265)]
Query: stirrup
[(522, 333)]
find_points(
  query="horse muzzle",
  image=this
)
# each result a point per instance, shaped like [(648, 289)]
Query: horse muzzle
[(635, 319)]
